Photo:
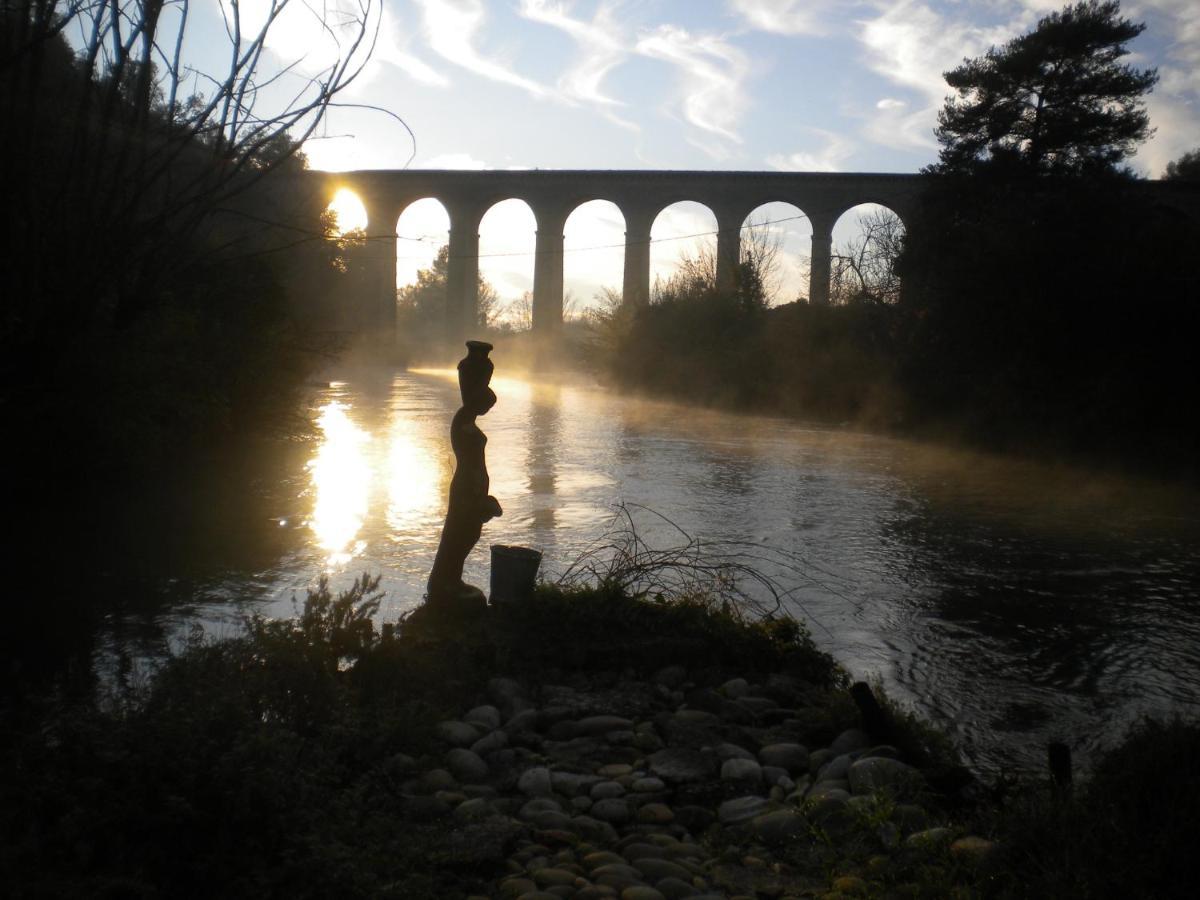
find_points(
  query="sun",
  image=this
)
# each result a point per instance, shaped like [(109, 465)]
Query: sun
[(350, 212)]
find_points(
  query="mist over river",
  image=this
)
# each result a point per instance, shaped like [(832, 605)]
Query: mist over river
[(1011, 602)]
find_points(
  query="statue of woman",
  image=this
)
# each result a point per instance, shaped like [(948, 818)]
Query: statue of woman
[(470, 503)]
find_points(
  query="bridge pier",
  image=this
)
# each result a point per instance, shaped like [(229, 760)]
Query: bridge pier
[(820, 264), (635, 286), (462, 275), (729, 251), (379, 283), (548, 272)]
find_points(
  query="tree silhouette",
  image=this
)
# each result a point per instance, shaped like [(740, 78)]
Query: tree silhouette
[(1186, 168), (1054, 101)]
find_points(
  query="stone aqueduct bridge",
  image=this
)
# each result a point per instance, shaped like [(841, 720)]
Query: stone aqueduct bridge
[(640, 195)]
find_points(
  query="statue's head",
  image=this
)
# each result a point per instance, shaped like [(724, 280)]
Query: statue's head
[(474, 375)]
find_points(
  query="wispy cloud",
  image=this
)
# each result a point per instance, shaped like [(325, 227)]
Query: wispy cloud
[(390, 48), (602, 44), (451, 27), (712, 71), (912, 45), (829, 157), (791, 17)]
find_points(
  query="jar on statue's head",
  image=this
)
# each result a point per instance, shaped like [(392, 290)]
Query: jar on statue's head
[(474, 374)]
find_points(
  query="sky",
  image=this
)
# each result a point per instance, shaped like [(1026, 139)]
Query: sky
[(775, 85)]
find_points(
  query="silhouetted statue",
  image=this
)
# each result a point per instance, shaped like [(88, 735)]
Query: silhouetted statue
[(470, 503)]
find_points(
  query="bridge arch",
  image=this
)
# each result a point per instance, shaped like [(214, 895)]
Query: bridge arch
[(422, 229), (593, 249), (782, 232), (682, 229), (867, 238), (507, 238)]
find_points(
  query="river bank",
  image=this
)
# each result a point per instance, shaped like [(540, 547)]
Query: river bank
[(583, 743)]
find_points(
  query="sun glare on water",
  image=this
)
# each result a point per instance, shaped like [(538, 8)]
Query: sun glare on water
[(341, 476), (349, 209)]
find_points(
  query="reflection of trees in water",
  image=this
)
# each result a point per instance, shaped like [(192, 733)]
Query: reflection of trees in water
[(545, 433)]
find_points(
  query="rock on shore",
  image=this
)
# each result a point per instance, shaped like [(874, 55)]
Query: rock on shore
[(662, 788)]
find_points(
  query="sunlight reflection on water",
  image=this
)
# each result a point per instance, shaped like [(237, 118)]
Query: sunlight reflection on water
[(341, 479)]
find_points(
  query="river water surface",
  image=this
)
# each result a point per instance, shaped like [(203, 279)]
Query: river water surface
[(1014, 603)]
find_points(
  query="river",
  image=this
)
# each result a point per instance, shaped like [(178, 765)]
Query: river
[(1012, 602)]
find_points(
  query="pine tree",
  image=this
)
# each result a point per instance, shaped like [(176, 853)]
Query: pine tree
[(1054, 101)]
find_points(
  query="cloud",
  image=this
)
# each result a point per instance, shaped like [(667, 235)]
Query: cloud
[(790, 17), (712, 72), (835, 151), (912, 45), (389, 48), (451, 26), (602, 47)]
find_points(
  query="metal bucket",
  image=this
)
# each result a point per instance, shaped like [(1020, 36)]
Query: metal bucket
[(514, 573)]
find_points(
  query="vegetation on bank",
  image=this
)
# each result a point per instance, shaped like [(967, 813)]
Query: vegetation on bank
[(275, 762)]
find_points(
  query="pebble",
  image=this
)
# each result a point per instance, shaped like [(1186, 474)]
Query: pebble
[(675, 888), (597, 725), (525, 720), (741, 809), (517, 887), (655, 814), (476, 808), (773, 775), (835, 769), (458, 734), (535, 782), (549, 877), (467, 765), (539, 805), (683, 764), (614, 770), (438, 780), (745, 772), (779, 827), (655, 869), (929, 838), (490, 743), (847, 742), (602, 858), (611, 810), (973, 850), (849, 884), (642, 892), (607, 790), (793, 757), (735, 687), (487, 717), (732, 751), (648, 785)]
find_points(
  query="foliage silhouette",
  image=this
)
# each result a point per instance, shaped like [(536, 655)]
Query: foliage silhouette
[(1054, 101), (421, 306), (1186, 168)]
